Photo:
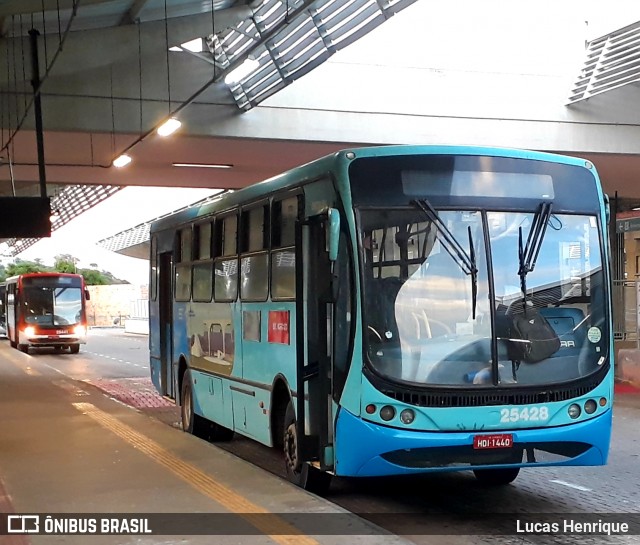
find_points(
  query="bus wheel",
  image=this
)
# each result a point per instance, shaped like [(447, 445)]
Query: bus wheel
[(23, 348), (74, 348), (191, 422), (301, 473), (496, 477)]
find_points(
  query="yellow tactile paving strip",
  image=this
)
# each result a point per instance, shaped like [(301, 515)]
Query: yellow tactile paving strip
[(275, 527)]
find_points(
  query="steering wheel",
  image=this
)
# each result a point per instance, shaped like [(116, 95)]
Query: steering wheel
[(423, 324)]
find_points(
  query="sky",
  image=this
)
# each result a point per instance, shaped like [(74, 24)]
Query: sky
[(127, 208)]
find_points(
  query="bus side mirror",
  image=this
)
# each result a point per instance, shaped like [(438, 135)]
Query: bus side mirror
[(87, 295), (333, 235), (607, 208)]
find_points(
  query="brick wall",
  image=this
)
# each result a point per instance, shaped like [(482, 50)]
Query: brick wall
[(110, 305)]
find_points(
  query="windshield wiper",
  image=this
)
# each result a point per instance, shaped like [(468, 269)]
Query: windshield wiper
[(528, 255), (466, 261)]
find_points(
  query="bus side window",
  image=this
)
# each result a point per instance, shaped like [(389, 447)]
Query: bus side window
[(183, 265), (254, 268), (203, 266), (283, 256), (225, 286)]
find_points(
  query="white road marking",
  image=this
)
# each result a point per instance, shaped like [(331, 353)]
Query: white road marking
[(576, 486)]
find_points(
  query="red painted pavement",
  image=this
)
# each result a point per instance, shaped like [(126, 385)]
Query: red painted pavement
[(136, 392)]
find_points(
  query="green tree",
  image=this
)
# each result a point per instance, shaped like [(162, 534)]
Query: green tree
[(22, 267), (65, 263), (94, 277)]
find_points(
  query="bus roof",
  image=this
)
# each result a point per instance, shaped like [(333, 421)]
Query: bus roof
[(16, 277), (314, 169)]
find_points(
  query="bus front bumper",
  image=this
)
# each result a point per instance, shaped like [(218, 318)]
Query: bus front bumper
[(52, 340), (365, 449)]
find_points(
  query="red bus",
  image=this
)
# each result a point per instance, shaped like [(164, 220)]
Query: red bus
[(46, 310)]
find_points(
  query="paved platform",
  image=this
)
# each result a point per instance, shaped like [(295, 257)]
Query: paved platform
[(66, 448)]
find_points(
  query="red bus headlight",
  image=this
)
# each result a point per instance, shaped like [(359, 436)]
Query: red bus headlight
[(80, 330), (29, 331)]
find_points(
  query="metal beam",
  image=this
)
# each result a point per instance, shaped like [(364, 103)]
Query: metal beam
[(133, 13)]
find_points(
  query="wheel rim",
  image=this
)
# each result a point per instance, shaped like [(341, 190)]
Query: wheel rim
[(291, 448), (186, 410)]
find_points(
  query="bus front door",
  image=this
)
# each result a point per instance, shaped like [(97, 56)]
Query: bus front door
[(313, 330), (165, 318)]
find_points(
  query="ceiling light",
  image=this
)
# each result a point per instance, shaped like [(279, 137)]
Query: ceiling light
[(201, 165), (170, 126), (248, 66), (121, 161)]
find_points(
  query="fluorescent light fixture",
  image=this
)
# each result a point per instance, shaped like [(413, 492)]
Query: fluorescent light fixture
[(248, 66), (121, 161), (196, 46), (170, 126), (55, 215), (201, 165)]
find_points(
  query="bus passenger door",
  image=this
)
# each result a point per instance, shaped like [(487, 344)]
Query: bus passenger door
[(313, 330), (165, 319)]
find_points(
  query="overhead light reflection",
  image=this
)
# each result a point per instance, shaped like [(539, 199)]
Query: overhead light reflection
[(170, 126), (201, 165), (121, 161)]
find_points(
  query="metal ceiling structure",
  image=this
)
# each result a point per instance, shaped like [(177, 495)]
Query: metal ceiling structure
[(287, 38), (134, 242), (612, 61), (290, 39)]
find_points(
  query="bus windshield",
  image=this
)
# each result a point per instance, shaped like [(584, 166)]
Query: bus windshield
[(44, 305), (419, 316)]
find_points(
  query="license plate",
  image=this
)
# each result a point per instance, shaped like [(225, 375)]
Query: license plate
[(61, 332), (497, 440)]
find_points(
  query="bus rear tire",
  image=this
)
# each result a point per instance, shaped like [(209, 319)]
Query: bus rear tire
[(301, 473), (191, 422), (496, 477)]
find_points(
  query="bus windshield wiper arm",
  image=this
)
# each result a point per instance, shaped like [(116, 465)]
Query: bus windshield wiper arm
[(466, 261), (528, 254)]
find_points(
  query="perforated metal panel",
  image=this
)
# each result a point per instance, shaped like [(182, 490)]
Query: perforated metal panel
[(289, 39), (612, 61)]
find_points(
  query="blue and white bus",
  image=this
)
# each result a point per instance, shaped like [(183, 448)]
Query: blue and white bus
[(394, 310)]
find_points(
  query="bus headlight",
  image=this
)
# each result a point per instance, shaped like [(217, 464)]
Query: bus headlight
[(407, 416), (574, 410), (29, 331), (387, 412), (80, 330), (590, 406)]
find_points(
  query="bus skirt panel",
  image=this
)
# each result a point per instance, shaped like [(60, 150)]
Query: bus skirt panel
[(365, 449)]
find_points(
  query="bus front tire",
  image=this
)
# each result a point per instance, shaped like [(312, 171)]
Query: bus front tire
[(300, 473), (74, 348), (23, 348), (496, 477)]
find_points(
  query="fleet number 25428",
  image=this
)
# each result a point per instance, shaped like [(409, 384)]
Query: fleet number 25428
[(526, 414)]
